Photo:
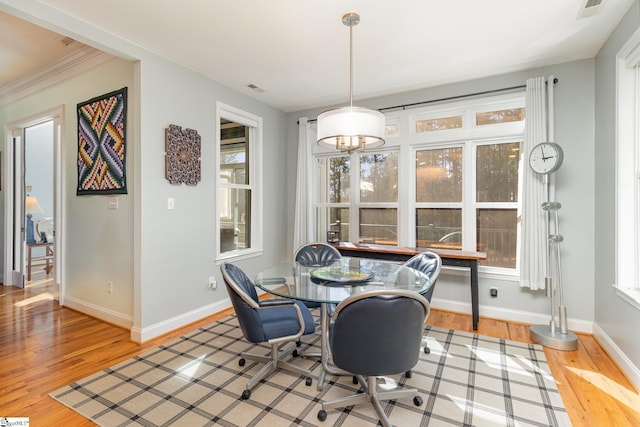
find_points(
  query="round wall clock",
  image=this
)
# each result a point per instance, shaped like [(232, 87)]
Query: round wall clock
[(546, 157)]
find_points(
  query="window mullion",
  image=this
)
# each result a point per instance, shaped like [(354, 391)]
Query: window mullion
[(354, 198), (469, 198)]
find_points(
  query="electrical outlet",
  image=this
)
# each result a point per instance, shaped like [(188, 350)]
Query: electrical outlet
[(109, 287), (493, 292), (212, 283)]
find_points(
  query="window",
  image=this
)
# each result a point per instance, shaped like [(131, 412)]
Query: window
[(239, 159), (448, 178), (438, 123), (438, 183), (492, 200), (628, 172), (364, 209)]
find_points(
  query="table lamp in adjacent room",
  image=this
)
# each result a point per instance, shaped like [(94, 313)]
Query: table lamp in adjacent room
[(31, 206)]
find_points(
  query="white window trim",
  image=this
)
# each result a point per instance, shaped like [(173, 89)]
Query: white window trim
[(224, 111), (627, 279)]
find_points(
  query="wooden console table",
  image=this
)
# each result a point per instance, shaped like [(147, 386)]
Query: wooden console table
[(449, 257), (48, 257)]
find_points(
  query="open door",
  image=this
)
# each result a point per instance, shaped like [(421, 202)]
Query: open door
[(18, 250), (32, 202)]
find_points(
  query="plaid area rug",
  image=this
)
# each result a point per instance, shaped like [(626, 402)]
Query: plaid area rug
[(466, 380)]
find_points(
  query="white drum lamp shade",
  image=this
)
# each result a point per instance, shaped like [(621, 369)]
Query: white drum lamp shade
[(351, 128)]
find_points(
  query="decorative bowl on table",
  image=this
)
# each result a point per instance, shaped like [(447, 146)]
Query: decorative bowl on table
[(340, 274)]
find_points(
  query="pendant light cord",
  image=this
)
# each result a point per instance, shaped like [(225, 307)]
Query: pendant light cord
[(351, 64)]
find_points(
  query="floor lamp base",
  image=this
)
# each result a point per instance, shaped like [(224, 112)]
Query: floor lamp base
[(542, 334)]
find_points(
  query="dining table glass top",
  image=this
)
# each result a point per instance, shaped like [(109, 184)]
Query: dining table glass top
[(333, 282)]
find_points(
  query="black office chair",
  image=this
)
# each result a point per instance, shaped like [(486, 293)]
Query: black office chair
[(274, 321), (377, 333), (430, 264)]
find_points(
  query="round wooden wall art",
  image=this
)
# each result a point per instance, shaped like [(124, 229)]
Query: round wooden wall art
[(182, 161)]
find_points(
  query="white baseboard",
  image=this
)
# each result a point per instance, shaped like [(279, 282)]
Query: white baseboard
[(141, 335), (626, 365), (98, 312), (576, 325)]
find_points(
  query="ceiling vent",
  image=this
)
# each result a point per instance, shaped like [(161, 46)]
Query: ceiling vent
[(591, 8), (256, 88)]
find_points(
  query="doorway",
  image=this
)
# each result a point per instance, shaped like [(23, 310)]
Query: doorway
[(32, 231)]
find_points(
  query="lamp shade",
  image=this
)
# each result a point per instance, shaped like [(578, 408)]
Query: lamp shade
[(351, 128), (32, 206)]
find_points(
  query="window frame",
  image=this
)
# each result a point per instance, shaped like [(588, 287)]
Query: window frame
[(407, 142), (354, 204), (255, 130), (627, 171)]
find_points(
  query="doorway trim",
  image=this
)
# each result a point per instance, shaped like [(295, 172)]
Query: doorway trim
[(55, 114)]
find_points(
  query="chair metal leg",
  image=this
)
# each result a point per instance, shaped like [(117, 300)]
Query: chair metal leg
[(272, 364), (372, 396)]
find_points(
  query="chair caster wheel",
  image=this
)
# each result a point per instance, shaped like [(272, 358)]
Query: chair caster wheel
[(427, 350), (322, 415), (417, 401), (246, 394), (295, 353), (354, 380), (308, 381), (241, 362), (298, 343), (408, 374)]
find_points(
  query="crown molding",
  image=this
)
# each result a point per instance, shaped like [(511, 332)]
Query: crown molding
[(65, 68)]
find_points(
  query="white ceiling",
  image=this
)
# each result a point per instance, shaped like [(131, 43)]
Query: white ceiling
[(297, 51)]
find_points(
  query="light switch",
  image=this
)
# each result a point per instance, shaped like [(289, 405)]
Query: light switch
[(113, 203), (171, 204)]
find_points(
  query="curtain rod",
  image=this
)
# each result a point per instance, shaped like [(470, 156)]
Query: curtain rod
[(449, 98)]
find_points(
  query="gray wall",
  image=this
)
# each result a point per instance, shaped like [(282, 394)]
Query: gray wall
[(574, 126), (618, 319)]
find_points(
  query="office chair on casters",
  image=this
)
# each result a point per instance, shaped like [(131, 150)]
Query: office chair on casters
[(315, 255), (274, 322), (430, 264), (377, 333)]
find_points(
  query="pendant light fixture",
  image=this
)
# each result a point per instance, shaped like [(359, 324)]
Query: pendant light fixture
[(351, 128)]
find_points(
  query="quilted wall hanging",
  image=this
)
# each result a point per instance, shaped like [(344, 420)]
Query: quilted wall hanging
[(102, 143), (182, 161)]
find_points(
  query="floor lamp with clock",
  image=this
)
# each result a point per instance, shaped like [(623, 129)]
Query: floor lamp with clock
[(545, 159)]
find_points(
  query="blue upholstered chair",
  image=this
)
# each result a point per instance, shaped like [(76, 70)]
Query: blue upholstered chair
[(316, 254), (377, 333), (430, 264), (274, 321)]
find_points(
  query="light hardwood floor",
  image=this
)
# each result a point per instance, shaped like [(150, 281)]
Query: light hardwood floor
[(44, 347)]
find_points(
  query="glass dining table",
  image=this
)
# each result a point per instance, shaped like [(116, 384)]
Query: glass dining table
[(331, 283)]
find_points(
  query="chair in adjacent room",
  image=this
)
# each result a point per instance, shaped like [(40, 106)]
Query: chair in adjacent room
[(430, 264), (377, 333), (274, 321), (45, 225)]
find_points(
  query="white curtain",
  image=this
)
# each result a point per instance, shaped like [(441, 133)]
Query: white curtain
[(303, 231), (534, 233)]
